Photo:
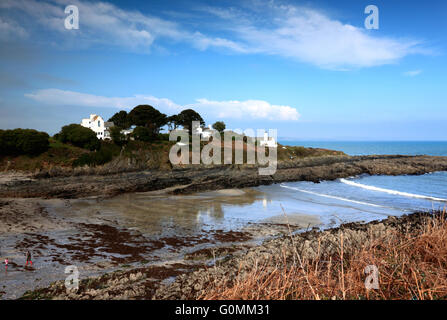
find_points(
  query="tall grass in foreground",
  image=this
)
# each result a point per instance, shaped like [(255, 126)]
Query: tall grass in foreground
[(412, 264)]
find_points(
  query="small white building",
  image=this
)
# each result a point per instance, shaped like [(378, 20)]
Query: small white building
[(98, 125), (205, 133), (128, 131), (268, 141)]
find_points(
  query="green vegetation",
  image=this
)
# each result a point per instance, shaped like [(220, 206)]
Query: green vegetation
[(288, 153), (106, 153), (23, 142), (186, 117), (121, 120), (58, 155), (148, 117), (143, 134), (79, 136), (117, 137), (219, 126), (145, 147), (173, 122)]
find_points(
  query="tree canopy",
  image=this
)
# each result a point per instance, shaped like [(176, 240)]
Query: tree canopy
[(121, 119), (23, 141), (79, 136), (173, 122), (186, 117), (117, 137), (219, 126), (147, 116), (143, 134)]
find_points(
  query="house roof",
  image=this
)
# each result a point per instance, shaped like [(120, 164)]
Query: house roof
[(109, 124)]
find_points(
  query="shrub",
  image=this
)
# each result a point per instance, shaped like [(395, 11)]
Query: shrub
[(117, 137), (97, 158), (23, 141), (143, 134), (79, 136), (163, 136)]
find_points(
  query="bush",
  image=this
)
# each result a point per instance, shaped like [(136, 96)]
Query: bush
[(79, 136), (23, 141), (163, 136), (117, 137), (100, 157), (143, 134)]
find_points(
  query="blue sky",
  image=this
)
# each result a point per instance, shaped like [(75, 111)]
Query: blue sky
[(307, 68)]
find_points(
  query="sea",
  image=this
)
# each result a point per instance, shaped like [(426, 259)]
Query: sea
[(365, 197), (432, 148)]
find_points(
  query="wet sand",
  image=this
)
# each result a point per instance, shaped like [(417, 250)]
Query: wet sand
[(140, 230)]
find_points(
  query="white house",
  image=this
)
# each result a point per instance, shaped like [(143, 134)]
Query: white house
[(98, 125), (268, 142), (204, 133), (128, 131)]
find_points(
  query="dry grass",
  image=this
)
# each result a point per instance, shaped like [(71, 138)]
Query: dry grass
[(412, 264)]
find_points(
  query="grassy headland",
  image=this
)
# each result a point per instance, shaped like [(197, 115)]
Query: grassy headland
[(140, 154)]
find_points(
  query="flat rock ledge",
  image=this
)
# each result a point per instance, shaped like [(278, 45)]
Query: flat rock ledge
[(193, 179), (190, 282)]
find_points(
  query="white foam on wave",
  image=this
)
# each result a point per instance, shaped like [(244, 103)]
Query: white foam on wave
[(333, 197), (390, 191)]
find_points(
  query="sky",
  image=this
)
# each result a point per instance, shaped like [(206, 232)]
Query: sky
[(310, 69)]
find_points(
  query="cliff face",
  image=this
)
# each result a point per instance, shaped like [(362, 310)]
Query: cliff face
[(108, 182)]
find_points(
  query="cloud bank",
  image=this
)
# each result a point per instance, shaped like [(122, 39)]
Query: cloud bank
[(293, 32), (249, 109)]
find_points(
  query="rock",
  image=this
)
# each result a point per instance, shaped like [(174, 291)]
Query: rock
[(94, 182)]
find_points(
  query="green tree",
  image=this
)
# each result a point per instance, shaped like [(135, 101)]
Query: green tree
[(79, 136), (173, 122), (117, 137), (23, 141), (121, 119), (219, 126), (186, 117), (147, 116), (144, 134)]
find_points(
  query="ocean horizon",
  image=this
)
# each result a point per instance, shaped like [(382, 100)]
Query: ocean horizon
[(355, 148)]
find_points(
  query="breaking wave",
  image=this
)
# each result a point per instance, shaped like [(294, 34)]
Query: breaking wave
[(332, 197), (390, 191)]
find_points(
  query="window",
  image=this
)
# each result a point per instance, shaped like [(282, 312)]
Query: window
[(99, 123)]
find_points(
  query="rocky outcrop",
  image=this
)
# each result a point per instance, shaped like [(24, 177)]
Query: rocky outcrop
[(201, 178), (192, 281)]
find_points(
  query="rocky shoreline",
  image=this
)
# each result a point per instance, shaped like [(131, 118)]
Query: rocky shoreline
[(191, 281), (193, 179)]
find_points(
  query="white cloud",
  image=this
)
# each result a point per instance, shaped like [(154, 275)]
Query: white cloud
[(11, 30), (72, 98), (248, 109), (107, 24), (293, 32), (412, 73), (254, 109), (310, 36)]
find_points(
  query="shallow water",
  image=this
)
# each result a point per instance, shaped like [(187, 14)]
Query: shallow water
[(364, 198), (195, 219)]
